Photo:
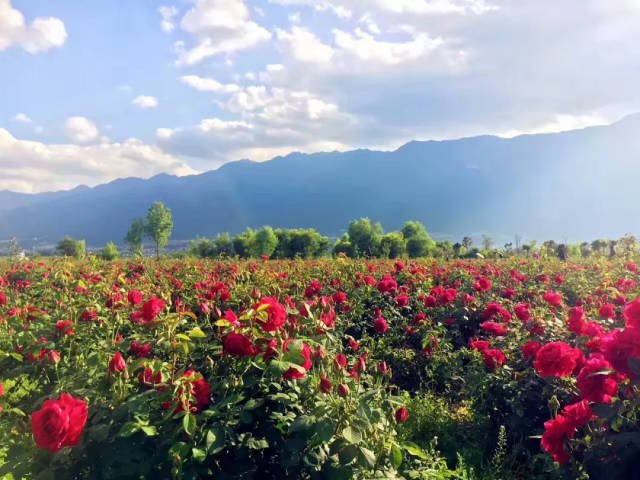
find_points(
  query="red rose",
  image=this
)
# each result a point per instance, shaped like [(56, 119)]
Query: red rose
[(140, 350), (522, 312), (197, 396), (493, 358), (553, 298), (343, 390), (339, 297), (59, 423), (402, 300), (578, 414), (148, 380), (340, 361), (632, 314), (294, 373), (149, 310), (383, 367), (479, 345), (620, 345), (380, 325), (401, 415), (387, 284), (494, 328), (556, 359), (237, 345), (117, 363), (3, 299), (134, 297), (577, 322), (325, 385), (596, 388), (276, 314), (555, 433), (608, 311), (530, 349)]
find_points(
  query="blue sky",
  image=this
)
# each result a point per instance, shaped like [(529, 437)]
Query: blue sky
[(94, 90)]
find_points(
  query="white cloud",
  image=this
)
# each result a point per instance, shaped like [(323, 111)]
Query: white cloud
[(303, 45), (81, 129), (208, 84), (167, 13), (39, 36), (295, 17), (560, 123), (269, 121), (361, 52), (29, 166), (366, 47), (220, 27), (22, 118), (145, 101)]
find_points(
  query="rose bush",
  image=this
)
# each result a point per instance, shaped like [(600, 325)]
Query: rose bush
[(513, 368)]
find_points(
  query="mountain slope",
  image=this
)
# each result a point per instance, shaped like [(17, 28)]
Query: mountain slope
[(579, 184)]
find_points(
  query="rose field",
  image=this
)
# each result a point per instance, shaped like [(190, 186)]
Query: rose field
[(513, 368)]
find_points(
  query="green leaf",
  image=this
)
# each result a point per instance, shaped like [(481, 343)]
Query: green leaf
[(352, 435), (324, 429), (215, 440), (302, 424), (257, 444), (197, 333), (366, 457), (129, 429), (414, 450), (199, 455), (210, 439), (189, 424), (395, 456), (179, 450), (348, 453), (182, 336), (149, 430), (222, 323)]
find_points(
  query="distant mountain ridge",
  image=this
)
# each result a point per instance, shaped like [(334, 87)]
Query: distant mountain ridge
[(580, 184)]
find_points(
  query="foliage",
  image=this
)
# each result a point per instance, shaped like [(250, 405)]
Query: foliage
[(109, 252), (158, 225), (514, 368), (68, 247)]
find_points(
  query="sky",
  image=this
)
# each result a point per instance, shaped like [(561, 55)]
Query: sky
[(95, 90)]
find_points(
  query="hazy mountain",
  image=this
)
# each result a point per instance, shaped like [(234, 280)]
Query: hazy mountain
[(581, 184)]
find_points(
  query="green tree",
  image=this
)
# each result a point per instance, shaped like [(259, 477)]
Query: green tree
[(134, 236), (68, 247), (445, 248), (223, 245), (365, 238), (264, 242), (344, 246), (110, 252), (14, 249), (487, 242), (242, 242), (419, 243), (467, 242), (159, 225), (392, 245)]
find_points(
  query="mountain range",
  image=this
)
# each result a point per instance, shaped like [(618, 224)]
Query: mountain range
[(576, 185)]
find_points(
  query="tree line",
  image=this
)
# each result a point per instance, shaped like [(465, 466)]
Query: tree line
[(363, 239)]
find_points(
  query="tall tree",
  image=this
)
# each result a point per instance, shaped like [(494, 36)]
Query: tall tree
[(487, 242), (159, 225), (134, 236), (467, 242), (264, 242)]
